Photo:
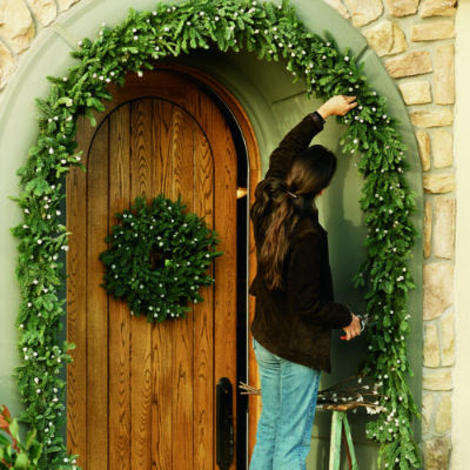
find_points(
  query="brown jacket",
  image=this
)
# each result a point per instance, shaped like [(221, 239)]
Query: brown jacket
[(296, 323)]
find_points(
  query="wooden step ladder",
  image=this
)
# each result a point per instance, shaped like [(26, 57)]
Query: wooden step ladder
[(340, 430), (341, 433)]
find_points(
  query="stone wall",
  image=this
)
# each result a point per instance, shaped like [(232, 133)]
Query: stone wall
[(415, 40)]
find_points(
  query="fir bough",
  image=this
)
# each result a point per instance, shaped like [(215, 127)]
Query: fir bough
[(157, 258)]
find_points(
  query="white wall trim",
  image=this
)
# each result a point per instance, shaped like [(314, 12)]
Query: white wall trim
[(461, 401)]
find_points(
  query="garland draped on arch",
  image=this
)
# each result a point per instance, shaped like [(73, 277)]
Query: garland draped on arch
[(273, 32)]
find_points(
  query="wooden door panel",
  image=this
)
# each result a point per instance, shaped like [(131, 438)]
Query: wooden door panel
[(203, 320), (162, 338), (97, 302), (119, 326), (142, 183), (183, 150), (141, 396), (76, 308)]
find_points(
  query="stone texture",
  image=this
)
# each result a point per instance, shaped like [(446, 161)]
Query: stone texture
[(402, 7), (444, 227), (438, 289), (411, 63), (442, 148), (427, 409), (427, 229), (443, 420), (431, 31), (444, 75), (339, 7), (437, 379), (424, 147), (66, 4), (436, 453), (416, 92), (364, 11), (439, 183), (44, 10), (16, 24), (432, 118), (447, 336), (386, 38), (7, 64), (431, 346), (438, 8)]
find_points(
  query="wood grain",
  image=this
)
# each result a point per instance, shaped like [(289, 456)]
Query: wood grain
[(162, 334), (204, 386), (182, 182), (97, 303), (120, 321), (76, 305), (141, 331), (225, 306)]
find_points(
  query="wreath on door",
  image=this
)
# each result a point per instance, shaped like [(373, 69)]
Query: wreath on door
[(157, 258)]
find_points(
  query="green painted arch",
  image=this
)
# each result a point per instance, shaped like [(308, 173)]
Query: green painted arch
[(273, 105)]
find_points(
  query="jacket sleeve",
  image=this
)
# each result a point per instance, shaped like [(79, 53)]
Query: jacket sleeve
[(296, 140), (304, 286)]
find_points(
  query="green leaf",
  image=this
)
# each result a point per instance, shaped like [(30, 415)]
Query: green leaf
[(14, 429), (22, 461), (37, 185), (30, 438)]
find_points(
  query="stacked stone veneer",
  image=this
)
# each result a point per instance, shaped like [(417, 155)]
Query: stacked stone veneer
[(416, 42)]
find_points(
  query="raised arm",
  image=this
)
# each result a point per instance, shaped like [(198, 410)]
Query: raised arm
[(296, 140), (299, 137)]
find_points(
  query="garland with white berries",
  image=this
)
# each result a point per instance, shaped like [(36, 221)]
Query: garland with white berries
[(157, 258), (273, 33)]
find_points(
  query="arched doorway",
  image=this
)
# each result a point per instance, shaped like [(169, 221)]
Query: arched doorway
[(140, 395), (83, 20)]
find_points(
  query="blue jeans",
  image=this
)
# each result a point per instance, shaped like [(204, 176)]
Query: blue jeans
[(289, 397)]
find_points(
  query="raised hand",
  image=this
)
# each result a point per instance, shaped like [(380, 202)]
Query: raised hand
[(337, 105)]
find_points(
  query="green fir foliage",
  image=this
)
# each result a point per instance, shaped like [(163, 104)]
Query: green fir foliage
[(273, 33), (157, 258)]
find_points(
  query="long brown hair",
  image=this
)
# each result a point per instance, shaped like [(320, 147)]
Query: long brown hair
[(280, 204)]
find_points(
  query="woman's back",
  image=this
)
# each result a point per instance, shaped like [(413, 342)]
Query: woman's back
[(294, 310), (295, 321)]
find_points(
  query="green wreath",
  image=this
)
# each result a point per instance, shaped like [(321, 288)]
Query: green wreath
[(157, 258), (273, 32)]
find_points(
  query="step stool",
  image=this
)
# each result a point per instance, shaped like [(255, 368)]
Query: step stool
[(341, 433), (340, 429)]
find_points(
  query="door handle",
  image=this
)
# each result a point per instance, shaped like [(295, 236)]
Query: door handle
[(224, 419)]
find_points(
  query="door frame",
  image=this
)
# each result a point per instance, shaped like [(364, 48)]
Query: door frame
[(240, 118)]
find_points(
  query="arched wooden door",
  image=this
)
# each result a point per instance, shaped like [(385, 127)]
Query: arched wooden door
[(142, 396)]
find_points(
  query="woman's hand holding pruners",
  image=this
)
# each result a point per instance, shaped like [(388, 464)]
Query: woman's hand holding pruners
[(353, 329)]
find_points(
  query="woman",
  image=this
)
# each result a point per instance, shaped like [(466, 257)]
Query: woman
[(295, 310)]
